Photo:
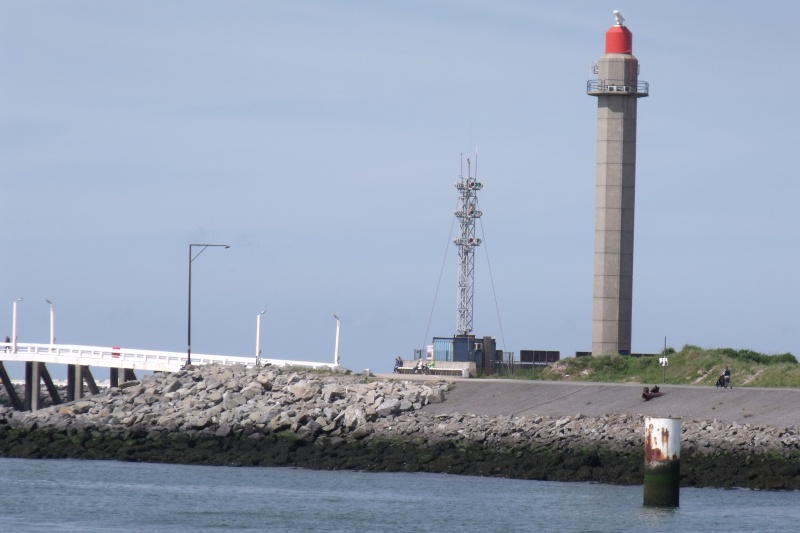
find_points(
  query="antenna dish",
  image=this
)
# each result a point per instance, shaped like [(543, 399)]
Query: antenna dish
[(619, 17)]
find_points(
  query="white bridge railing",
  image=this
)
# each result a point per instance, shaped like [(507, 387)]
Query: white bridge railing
[(112, 357)]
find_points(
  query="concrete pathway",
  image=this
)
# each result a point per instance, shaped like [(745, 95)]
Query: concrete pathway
[(752, 406)]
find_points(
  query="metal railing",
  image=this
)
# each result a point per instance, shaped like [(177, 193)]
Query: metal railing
[(113, 357), (642, 88)]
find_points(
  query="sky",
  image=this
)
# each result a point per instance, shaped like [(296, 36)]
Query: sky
[(322, 140)]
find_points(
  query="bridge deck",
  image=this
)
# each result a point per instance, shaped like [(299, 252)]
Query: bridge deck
[(110, 357)]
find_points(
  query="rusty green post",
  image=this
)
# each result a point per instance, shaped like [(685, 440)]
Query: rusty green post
[(662, 462)]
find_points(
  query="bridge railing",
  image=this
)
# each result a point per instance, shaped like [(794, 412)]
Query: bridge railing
[(114, 357)]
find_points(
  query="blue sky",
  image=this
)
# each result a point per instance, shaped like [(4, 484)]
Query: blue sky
[(321, 141)]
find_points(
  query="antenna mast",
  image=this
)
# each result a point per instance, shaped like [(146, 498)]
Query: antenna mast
[(468, 189)]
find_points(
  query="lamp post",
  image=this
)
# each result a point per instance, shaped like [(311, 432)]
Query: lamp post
[(189, 327), (14, 325), (52, 324), (258, 337), (336, 349)]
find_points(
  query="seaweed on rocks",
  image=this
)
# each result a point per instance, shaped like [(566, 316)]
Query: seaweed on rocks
[(232, 415)]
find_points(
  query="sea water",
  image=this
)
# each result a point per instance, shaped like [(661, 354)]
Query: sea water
[(108, 496)]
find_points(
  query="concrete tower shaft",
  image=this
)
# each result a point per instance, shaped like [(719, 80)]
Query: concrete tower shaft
[(617, 89)]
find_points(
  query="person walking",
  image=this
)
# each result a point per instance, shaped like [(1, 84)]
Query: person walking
[(726, 375)]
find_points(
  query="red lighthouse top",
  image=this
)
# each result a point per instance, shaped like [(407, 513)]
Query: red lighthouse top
[(619, 39)]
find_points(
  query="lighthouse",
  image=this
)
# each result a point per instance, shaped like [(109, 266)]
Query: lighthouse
[(617, 89)]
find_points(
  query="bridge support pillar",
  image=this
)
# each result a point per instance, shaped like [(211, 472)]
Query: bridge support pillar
[(76, 375), (32, 386), (113, 377), (10, 390), (89, 378), (78, 382), (74, 383), (48, 383)]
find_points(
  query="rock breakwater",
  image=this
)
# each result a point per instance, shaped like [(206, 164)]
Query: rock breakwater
[(229, 415)]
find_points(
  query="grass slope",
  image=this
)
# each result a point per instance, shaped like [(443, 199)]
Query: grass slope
[(692, 365)]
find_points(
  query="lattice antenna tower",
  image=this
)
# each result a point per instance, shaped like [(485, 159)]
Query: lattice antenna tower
[(468, 188)]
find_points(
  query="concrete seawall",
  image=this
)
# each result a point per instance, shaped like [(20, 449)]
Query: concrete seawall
[(273, 417), (493, 397)]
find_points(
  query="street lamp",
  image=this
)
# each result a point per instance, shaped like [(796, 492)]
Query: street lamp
[(52, 324), (336, 349), (258, 337), (14, 325), (189, 327)]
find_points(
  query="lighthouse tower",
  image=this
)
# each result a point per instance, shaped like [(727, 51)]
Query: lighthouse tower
[(617, 89)]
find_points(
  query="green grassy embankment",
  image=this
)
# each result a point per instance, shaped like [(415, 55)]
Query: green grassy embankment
[(692, 365)]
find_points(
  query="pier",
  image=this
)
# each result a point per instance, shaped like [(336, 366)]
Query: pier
[(121, 362)]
